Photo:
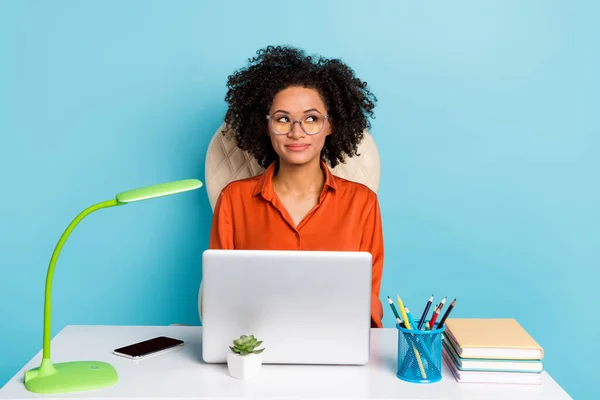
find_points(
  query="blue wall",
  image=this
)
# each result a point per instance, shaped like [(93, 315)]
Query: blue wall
[(487, 124)]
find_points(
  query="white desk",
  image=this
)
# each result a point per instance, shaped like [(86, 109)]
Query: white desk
[(182, 373)]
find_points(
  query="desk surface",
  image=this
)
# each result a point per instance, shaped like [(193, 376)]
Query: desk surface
[(182, 373)]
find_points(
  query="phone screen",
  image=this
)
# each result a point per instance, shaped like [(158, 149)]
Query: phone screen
[(148, 346)]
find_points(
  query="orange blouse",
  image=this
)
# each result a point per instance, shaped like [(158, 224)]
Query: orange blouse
[(248, 215)]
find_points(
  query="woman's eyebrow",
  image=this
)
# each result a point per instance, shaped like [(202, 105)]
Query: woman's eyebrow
[(287, 112)]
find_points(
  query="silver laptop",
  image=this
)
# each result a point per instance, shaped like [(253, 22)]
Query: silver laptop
[(308, 307)]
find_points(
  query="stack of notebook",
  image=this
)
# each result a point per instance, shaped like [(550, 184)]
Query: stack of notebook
[(489, 350)]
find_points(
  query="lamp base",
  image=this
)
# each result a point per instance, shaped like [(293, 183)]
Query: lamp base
[(70, 376)]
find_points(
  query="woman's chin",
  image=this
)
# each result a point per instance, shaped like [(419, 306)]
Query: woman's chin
[(297, 159)]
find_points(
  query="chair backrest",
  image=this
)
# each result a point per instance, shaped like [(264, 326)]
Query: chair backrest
[(225, 163)]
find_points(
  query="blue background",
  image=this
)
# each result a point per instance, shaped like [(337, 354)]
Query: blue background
[(487, 124)]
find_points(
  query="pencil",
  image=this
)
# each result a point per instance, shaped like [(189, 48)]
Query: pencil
[(409, 318), (424, 316), (441, 305), (447, 313), (408, 326), (394, 310), (434, 317), (401, 306)]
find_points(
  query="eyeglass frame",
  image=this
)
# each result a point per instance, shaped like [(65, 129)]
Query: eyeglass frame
[(269, 116)]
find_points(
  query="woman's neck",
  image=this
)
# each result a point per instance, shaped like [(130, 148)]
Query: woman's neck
[(299, 180)]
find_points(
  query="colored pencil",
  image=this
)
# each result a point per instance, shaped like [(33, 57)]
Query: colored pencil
[(410, 318), (394, 310), (424, 316), (441, 305), (401, 307), (409, 322), (447, 313), (434, 317)]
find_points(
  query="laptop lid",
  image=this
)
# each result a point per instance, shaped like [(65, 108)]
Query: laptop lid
[(308, 307)]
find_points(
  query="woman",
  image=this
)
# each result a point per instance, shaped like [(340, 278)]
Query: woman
[(292, 113)]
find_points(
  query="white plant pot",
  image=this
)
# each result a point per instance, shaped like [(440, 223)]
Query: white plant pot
[(244, 367)]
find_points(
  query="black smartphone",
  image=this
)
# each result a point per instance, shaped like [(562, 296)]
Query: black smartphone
[(148, 347)]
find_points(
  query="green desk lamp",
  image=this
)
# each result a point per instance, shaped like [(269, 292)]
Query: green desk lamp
[(87, 375)]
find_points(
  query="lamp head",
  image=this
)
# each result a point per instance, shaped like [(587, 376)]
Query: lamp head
[(159, 190)]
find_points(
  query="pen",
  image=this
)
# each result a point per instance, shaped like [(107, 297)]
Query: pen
[(424, 316), (447, 313)]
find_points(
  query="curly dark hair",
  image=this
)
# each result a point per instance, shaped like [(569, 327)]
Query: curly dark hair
[(251, 91)]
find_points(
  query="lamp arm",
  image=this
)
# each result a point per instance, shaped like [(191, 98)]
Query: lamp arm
[(57, 249)]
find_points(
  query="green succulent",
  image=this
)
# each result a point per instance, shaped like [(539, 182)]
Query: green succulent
[(246, 345)]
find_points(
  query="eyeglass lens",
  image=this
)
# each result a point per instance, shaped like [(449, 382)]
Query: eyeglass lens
[(310, 123)]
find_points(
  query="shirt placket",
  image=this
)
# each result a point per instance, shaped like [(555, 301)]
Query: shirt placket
[(275, 202)]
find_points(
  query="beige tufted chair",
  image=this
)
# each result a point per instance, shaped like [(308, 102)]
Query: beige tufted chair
[(226, 163)]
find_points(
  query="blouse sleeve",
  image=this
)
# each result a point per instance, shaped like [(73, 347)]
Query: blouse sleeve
[(221, 234), (372, 241)]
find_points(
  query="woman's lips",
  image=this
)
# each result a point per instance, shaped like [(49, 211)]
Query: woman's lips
[(296, 147)]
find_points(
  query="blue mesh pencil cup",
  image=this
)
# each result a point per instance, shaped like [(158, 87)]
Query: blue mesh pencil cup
[(419, 354)]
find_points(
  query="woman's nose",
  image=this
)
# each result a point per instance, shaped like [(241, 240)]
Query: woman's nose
[(296, 131)]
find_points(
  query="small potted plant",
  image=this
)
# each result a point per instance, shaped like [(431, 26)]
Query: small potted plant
[(245, 359)]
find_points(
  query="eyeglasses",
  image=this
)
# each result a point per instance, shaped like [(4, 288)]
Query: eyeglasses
[(311, 124)]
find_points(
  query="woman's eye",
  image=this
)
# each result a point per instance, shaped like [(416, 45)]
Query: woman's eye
[(283, 119)]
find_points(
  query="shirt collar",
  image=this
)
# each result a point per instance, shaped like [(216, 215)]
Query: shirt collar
[(264, 185)]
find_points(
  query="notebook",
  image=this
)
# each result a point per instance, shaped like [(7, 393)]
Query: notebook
[(486, 364), (494, 338), (491, 377)]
